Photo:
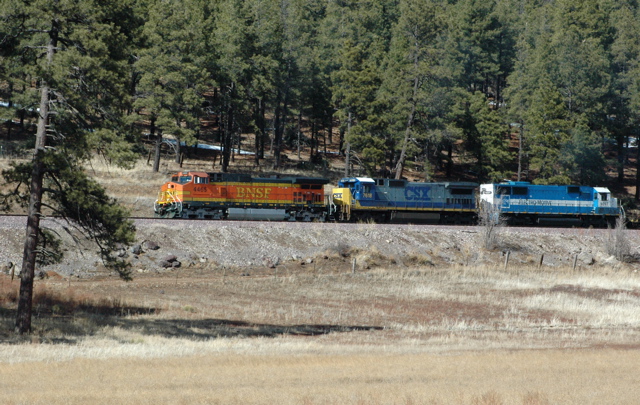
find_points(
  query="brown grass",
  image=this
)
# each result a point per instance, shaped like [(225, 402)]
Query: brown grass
[(531, 378), (426, 335)]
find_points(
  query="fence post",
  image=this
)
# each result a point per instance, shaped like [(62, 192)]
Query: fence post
[(506, 259), (575, 262), (353, 266), (541, 259)]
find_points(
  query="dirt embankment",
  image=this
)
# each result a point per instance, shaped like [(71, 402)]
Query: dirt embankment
[(259, 246)]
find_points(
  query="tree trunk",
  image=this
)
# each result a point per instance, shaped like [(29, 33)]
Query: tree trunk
[(263, 130), (221, 129), (178, 151), (10, 120), (156, 155), (410, 119), (637, 196), (25, 300), (330, 129), (347, 154), (449, 159), (226, 144), (520, 140), (313, 142), (427, 168), (299, 132), (405, 141), (621, 156), (259, 136), (278, 129)]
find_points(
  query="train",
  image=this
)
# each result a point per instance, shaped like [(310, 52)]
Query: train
[(522, 203), (202, 195), (388, 200), (231, 196)]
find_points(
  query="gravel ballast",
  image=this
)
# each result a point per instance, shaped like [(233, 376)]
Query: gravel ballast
[(257, 244)]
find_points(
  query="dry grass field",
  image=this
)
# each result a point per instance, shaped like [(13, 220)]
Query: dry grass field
[(458, 335)]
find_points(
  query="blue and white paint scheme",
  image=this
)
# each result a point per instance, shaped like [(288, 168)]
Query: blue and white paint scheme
[(526, 203)]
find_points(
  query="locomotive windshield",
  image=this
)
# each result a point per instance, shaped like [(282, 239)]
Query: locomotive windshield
[(181, 179)]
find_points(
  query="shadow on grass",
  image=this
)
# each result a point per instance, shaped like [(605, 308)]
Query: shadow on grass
[(49, 327), (212, 328)]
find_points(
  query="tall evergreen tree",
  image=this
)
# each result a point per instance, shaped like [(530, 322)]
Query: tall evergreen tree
[(359, 35), (583, 158), (478, 48), (171, 72), (76, 52), (562, 80), (625, 51), (484, 135), (409, 74)]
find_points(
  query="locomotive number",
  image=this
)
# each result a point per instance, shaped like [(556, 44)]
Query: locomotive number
[(200, 189)]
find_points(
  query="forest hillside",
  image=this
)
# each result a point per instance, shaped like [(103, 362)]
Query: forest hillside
[(541, 91)]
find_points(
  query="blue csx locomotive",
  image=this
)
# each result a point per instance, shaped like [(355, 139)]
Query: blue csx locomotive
[(387, 200), (520, 203)]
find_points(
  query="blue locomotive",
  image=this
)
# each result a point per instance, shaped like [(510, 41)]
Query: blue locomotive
[(523, 203), (388, 200)]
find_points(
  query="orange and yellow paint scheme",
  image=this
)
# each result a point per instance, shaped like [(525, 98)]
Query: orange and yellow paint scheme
[(238, 196)]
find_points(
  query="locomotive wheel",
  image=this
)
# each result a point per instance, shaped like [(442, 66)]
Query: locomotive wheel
[(367, 218)]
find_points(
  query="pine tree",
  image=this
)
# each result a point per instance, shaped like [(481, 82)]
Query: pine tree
[(409, 75), (563, 80), (171, 73), (583, 158), (625, 51), (480, 47), (76, 52), (357, 36), (485, 137)]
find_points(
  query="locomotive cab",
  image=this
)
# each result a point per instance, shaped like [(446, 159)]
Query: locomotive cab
[(354, 189), (179, 190), (349, 194), (604, 203)]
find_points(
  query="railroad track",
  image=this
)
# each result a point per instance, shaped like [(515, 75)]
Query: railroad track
[(13, 221)]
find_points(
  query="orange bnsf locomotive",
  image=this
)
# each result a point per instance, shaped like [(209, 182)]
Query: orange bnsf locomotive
[(241, 197)]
